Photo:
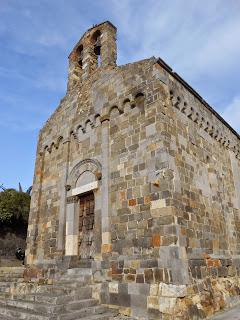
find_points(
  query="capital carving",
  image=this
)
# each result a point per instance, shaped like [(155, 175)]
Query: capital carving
[(67, 187), (72, 199)]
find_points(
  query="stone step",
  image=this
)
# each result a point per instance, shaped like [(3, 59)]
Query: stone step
[(56, 289), (52, 298), (84, 313), (11, 279), (108, 315), (4, 284), (5, 318), (5, 274), (15, 274), (47, 308), (81, 304), (17, 269), (32, 306), (3, 290), (10, 275), (22, 314)]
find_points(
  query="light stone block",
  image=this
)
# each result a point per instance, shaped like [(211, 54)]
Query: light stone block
[(151, 130), (172, 291), (71, 248), (157, 204), (153, 302), (85, 188), (154, 289), (166, 305), (106, 237), (113, 287)]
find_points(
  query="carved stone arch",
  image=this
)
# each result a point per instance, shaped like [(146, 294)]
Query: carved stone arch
[(97, 120), (88, 125), (59, 140), (84, 191), (126, 105), (139, 101), (85, 165), (51, 147)]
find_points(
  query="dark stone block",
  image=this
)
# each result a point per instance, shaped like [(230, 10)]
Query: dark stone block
[(154, 196), (140, 278), (124, 300), (148, 274), (139, 301), (158, 275), (154, 314), (197, 262), (149, 263), (123, 288)]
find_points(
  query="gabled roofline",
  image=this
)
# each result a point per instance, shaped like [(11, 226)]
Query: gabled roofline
[(166, 67)]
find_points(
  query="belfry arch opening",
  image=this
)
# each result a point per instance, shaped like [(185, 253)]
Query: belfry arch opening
[(80, 56), (96, 39)]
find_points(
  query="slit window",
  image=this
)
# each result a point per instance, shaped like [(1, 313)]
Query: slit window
[(97, 46), (80, 56)]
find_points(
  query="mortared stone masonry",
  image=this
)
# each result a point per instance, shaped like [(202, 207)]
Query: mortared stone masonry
[(138, 179)]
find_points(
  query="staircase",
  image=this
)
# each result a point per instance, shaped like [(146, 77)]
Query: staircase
[(69, 298), (8, 277)]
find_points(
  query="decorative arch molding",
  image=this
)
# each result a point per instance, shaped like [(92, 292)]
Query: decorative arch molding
[(125, 104), (213, 127), (91, 165)]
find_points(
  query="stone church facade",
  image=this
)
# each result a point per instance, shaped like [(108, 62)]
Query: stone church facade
[(138, 178)]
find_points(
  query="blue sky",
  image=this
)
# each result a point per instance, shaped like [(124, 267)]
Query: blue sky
[(198, 39)]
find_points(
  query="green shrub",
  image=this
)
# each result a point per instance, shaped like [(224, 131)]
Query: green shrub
[(14, 206)]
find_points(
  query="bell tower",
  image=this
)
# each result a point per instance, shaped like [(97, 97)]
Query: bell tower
[(95, 50)]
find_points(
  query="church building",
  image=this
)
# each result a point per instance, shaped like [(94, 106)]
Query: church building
[(137, 179)]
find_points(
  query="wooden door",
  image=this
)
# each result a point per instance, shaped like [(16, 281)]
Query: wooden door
[(86, 226)]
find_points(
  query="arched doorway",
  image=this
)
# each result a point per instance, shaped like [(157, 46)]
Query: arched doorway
[(83, 210)]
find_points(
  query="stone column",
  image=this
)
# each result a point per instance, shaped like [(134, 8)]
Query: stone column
[(236, 178), (63, 195), (108, 46), (72, 222), (231, 214), (106, 223)]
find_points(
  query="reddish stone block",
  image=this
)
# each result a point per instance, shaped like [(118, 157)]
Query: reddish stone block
[(156, 240), (132, 202)]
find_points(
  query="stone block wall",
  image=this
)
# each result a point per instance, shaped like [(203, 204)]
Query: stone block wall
[(167, 215)]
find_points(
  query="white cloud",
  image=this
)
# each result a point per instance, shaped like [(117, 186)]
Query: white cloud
[(195, 38), (232, 113)]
